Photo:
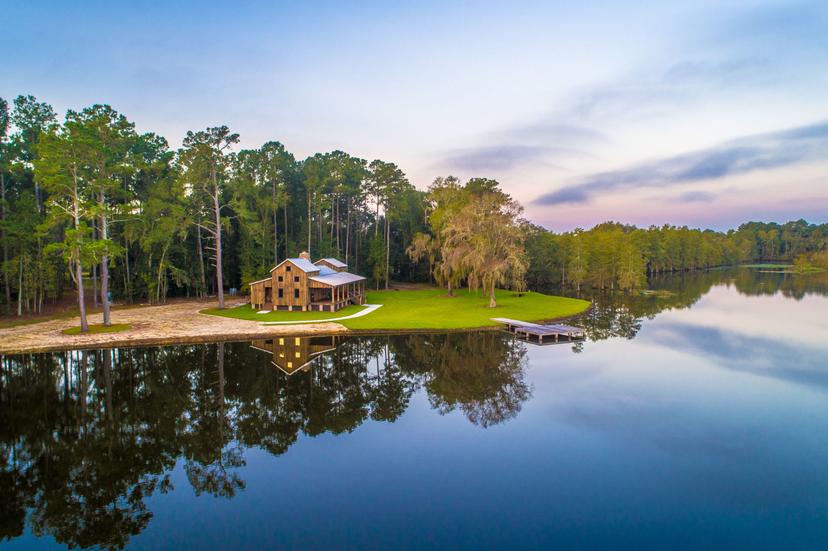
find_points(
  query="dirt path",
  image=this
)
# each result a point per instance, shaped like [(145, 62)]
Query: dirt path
[(166, 324)]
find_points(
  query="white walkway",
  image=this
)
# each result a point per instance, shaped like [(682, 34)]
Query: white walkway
[(364, 312)]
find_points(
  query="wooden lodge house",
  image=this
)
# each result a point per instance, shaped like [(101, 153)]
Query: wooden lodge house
[(299, 284)]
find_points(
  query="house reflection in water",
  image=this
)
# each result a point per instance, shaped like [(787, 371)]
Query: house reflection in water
[(292, 354)]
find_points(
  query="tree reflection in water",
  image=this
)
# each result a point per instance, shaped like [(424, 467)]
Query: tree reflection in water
[(616, 314), (86, 437)]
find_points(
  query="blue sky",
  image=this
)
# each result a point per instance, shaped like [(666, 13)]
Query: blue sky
[(700, 113)]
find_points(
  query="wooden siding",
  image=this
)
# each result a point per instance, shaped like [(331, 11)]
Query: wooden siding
[(292, 279), (258, 292), (265, 293)]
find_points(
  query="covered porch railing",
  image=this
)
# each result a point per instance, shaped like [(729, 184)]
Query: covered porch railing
[(330, 299)]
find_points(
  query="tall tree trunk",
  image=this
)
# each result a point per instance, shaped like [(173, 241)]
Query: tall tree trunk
[(319, 231), (81, 298), (5, 243), (333, 219), (159, 280), (219, 274), (387, 248), (309, 221), (203, 289), (78, 267), (348, 230), (338, 226), (377, 219), (127, 277), (275, 228), (287, 234), (95, 285), (492, 300), (38, 199), (20, 285), (107, 317)]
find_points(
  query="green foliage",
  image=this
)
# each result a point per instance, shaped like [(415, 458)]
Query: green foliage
[(475, 237), (813, 262)]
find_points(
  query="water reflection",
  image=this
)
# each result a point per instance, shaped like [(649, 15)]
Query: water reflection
[(621, 315), (87, 437)]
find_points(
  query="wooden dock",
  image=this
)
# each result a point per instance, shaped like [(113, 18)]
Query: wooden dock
[(552, 333)]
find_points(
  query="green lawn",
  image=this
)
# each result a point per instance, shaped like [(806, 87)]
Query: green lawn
[(432, 309), (428, 309), (245, 312), (98, 328)]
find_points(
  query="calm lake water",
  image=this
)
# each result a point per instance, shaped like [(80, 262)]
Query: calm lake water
[(693, 418)]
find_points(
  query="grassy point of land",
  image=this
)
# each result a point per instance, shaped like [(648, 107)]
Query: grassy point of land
[(433, 309), (98, 328)]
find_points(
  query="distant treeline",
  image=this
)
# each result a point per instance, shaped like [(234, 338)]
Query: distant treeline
[(89, 204), (618, 256)]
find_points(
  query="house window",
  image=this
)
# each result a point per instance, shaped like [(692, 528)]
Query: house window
[(296, 279), (281, 279), (287, 268), (281, 293), (296, 293)]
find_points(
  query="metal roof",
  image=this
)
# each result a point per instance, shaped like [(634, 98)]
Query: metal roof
[(302, 263), (333, 262), (337, 278)]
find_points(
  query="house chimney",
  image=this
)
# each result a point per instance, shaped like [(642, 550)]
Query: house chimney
[(305, 255)]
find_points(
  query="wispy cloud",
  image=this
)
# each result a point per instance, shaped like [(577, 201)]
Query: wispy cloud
[(497, 158), (637, 95), (544, 143), (697, 197), (761, 152)]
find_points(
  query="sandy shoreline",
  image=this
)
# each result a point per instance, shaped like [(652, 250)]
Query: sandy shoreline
[(176, 323)]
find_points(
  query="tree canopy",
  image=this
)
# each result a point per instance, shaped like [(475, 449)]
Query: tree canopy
[(89, 205)]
